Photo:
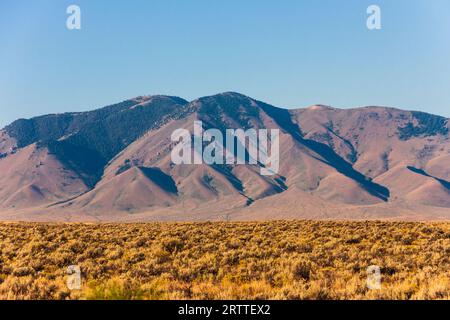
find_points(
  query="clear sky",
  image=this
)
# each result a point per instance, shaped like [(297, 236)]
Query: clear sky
[(290, 53)]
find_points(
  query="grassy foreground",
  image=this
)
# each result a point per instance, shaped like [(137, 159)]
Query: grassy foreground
[(267, 260)]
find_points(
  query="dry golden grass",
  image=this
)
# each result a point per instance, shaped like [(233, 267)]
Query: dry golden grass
[(267, 260)]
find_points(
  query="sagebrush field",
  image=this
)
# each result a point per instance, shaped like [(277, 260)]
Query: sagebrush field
[(266, 260)]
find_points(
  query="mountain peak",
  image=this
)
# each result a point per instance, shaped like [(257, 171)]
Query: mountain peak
[(234, 94), (342, 158), (225, 95), (149, 98), (320, 107)]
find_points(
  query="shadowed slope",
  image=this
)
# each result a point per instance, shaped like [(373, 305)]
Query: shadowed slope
[(115, 163), (161, 179), (443, 182), (283, 118)]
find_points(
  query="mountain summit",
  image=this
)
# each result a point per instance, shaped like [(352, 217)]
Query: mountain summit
[(113, 164)]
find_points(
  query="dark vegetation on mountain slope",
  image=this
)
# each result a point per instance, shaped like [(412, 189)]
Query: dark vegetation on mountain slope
[(229, 111), (113, 133), (85, 142), (428, 125), (55, 126)]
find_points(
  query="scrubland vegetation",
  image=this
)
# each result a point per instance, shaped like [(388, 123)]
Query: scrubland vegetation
[(267, 260)]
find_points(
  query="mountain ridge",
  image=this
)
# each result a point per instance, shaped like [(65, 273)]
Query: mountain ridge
[(113, 163)]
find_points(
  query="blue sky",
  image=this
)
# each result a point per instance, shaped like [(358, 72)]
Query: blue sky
[(290, 53)]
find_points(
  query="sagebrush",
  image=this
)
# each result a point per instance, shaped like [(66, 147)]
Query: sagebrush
[(260, 260)]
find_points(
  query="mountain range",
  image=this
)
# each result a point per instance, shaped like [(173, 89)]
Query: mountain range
[(114, 164)]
